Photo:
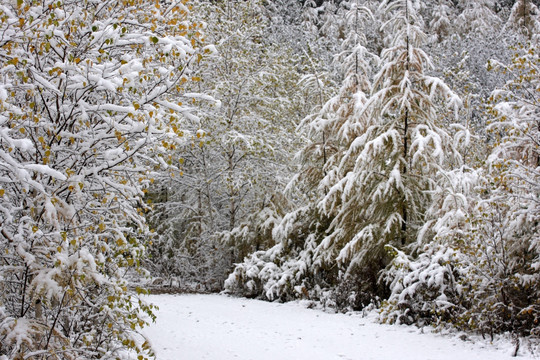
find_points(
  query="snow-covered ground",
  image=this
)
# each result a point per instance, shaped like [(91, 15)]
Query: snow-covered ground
[(215, 327)]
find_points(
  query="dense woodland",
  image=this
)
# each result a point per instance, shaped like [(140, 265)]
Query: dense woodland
[(358, 154)]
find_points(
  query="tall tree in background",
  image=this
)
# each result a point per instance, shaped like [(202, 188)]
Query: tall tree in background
[(441, 19), (524, 19), (477, 16), (238, 156), (88, 112)]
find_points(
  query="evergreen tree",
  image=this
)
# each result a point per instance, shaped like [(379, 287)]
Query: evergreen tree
[(477, 16), (441, 21), (385, 173), (480, 272), (524, 19)]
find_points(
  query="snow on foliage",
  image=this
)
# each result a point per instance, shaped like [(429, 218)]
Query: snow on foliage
[(480, 270), (236, 161), (383, 178), (85, 88)]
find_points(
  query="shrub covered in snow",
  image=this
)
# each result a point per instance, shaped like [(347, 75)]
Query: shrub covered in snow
[(425, 290), (281, 272)]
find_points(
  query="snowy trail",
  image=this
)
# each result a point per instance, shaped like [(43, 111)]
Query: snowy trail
[(214, 327)]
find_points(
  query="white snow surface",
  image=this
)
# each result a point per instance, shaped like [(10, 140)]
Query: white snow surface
[(217, 327)]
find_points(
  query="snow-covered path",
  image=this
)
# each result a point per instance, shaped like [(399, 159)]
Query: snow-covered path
[(214, 327)]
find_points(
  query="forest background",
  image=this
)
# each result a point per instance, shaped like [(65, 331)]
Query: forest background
[(358, 154)]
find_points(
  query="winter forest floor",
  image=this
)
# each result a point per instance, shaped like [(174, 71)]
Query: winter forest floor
[(215, 327)]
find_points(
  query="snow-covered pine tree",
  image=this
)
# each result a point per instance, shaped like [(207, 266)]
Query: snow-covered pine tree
[(480, 272), (441, 19), (283, 270), (477, 17), (386, 172), (427, 287), (337, 124), (88, 112), (333, 125), (524, 19)]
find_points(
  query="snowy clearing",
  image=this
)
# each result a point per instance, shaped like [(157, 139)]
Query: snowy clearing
[(215, 327)]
